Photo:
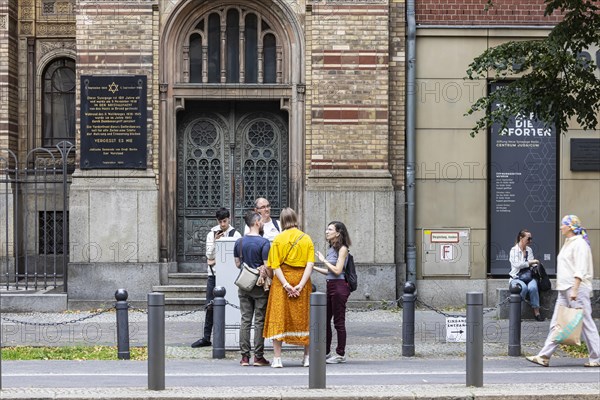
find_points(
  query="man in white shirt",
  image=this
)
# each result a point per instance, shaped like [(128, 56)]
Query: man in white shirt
[(223, 229), (271, 227)]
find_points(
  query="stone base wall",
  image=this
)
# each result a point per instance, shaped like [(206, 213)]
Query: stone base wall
[(364, 202), (113, 219), (442, 293), (96, 283)]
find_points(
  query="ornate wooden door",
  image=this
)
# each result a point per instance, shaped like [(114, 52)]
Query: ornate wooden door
[(228, 154)]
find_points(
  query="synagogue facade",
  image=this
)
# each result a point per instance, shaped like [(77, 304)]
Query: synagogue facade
[(175, 108)]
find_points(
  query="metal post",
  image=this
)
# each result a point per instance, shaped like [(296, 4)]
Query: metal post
[(514, 321), (65, 148), (408, 320), (318, 339), (156, 341), (475, 339), (122, 324), (219, 322)]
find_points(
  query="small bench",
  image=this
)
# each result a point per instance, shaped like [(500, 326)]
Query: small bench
[(547, 301)]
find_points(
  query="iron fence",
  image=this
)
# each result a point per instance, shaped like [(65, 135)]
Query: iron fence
[(34, 218)]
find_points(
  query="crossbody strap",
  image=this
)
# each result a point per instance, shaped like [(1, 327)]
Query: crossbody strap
[(288, 253)]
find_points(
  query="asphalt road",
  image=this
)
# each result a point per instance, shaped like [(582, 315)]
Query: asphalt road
[(227, 373)]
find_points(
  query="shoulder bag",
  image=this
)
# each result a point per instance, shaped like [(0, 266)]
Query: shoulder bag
[(246, 279), (568, 326)]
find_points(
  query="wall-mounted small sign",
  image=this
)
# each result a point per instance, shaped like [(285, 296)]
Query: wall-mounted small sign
[(585, 155)]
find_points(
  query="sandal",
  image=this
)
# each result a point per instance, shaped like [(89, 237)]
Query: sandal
[(543, 361)]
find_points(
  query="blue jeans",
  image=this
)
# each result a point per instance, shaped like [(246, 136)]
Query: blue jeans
[(531, 288)]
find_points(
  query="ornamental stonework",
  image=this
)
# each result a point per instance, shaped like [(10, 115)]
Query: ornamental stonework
[(3, 21), (26, 28), (56, 29), (27, 10), (64, 7), (46, 47), (168, 6)]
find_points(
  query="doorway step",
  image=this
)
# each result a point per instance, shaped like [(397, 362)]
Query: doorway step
[(184, 291)]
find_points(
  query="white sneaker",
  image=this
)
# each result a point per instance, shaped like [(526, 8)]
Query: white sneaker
[(336, 359), (276, 363), (305, 362)]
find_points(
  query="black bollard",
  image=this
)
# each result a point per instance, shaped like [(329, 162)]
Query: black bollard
[(156, 341), (514, 321), (475, 339), (122, 324), (408, 320), (219, 322), (318, 339)]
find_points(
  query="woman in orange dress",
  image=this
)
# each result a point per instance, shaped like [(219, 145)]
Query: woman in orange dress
[(291, 258)]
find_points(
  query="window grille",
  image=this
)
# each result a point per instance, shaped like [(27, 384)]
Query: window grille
[(51, 236)]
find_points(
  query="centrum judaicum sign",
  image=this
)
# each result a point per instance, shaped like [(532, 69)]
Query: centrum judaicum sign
[(523, 188), (113, 122)]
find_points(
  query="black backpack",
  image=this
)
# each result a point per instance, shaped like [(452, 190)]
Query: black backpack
[(542, 277), (350, 273)]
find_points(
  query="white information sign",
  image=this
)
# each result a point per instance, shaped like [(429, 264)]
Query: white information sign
[(456, 329)]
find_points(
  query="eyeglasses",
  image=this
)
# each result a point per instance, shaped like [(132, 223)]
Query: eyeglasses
[(529, 239), (263, 207)]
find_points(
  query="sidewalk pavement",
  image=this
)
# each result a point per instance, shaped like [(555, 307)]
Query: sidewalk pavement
[(374, 338)]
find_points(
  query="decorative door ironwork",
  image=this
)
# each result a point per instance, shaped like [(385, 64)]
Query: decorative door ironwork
[(226, 159), (263, 166)]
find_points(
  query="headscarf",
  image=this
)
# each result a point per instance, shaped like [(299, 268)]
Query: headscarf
[(573, 222)]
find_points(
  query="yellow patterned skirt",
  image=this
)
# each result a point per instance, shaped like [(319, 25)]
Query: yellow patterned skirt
[(287, 318)]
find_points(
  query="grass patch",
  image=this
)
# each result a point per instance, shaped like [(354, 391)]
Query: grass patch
[(580, 351), (77, 353)]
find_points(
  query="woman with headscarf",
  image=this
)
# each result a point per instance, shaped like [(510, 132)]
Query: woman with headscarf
[(574, 274)]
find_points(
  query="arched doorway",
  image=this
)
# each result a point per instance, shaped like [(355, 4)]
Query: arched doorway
[(228, 154), (231, 112)]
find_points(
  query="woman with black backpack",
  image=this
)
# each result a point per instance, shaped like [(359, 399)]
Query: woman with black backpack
[(338, 289)]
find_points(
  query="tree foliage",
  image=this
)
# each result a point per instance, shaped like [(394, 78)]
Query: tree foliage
[(556, 83)]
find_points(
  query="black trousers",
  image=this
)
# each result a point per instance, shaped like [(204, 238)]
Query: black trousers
[(208, 320)]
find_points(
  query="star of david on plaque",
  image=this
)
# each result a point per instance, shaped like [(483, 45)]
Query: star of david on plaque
[(113, 88)]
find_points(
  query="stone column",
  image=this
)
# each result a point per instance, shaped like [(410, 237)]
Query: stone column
[(348, 139), (113, 221)]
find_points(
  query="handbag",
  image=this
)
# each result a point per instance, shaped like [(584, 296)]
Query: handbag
[(248, 276), (246, 279), (569, 322), (525, 275)]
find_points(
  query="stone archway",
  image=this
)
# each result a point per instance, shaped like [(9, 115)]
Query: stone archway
[(176, 93)]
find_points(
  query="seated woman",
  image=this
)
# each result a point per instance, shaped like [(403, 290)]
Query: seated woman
[(521, 260)]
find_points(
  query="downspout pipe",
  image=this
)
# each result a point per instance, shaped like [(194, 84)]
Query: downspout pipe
[(411, 248)]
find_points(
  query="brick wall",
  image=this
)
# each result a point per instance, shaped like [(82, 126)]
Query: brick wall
[(397, 91), (347, 75), (472, 12), (117, 38), (8, 75)]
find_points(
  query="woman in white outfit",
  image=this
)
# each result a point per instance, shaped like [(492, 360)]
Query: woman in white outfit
[(574, 274), (521, 260)]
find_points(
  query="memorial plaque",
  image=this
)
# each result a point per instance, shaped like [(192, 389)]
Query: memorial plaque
[(585, 155), (113, 122)]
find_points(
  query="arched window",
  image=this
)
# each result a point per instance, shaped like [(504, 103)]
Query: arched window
[(58, 102), (232, 46)]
